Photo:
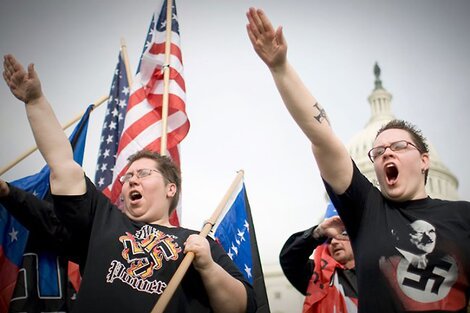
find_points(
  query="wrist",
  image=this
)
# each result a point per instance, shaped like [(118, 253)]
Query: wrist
[(318, 232), (33, 100), (279, 68)]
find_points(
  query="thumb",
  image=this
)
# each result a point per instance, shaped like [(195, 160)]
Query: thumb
[(32, 72), (280, 36)]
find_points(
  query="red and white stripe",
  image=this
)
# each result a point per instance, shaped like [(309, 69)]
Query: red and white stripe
[(143, 122)]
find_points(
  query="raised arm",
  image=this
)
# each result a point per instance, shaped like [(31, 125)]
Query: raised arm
[(66, 175), (331, 155)]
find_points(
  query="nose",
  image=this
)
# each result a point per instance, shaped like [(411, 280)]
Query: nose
[(334, 241), (133, 180), (387, 153), (426, 239)]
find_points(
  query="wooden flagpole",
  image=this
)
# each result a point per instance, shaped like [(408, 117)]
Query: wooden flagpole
[(125, 58), (188, 258), (30, 151), (166, 77)]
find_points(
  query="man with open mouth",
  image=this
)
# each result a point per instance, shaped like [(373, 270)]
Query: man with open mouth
[(388, 281)]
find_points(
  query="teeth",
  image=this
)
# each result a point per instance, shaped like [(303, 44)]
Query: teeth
[(135, 195)]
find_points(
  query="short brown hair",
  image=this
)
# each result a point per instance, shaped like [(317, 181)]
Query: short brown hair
[(416, 136), (167, 168)]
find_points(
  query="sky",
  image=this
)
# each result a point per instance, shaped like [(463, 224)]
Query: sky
[(238, 120)]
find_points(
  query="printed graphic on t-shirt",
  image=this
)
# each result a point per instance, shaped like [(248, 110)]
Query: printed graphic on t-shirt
[(144, 253), (422, 278)]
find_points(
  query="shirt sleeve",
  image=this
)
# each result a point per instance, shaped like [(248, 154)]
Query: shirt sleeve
[(351, 205), (295, 258), (77, 214), (39, 217)]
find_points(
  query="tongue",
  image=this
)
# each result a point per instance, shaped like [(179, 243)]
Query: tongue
[(392, 174)]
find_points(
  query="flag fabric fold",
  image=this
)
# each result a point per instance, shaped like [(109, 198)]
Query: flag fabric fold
[(235, 231), (14, 239)]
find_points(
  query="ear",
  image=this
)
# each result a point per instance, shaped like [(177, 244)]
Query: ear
[(170, 190), (425, 161)]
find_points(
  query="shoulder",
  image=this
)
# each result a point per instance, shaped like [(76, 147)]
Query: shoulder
[(459, 205)]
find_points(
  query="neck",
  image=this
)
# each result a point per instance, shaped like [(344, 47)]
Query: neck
[(349, 264)]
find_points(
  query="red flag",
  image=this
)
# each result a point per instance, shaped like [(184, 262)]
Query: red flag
[(142, 126)]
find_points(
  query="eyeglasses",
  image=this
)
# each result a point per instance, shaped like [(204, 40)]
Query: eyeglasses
[(344, 236), (394, 146), (141, 173)]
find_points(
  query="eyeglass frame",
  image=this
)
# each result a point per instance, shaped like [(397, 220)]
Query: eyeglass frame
[(138, 174), (344, 234), (372, 158)]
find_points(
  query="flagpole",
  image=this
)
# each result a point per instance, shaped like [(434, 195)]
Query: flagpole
[(125, 58), (166, 77), (188, 258), (23, 156)]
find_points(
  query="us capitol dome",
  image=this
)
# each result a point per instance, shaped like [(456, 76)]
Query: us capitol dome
[(441, 183)]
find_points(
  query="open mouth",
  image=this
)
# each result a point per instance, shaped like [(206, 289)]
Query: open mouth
[(135, 195), (391, 173)]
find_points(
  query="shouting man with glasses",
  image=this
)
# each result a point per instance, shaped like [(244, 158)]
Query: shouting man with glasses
[(328, 277), (128, 257), (388, 280)]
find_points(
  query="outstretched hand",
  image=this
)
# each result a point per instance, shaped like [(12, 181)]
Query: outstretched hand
[(23, 85), (268, 43)]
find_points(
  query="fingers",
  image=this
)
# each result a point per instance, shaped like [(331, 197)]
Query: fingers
[(251, 35), (195, 243), (13, 72), (7, 68), (11, 65), (259, 24), (252, 26), (264, 21)]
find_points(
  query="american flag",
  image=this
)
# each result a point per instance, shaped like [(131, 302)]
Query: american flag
[(143, 121), (112, 127)]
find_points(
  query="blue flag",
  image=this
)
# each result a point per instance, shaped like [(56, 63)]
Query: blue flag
[(14, 239), (236, 233)]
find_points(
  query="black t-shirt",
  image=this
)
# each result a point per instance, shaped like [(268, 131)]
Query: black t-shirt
[(43, 257), (129, 264), (410, 256)]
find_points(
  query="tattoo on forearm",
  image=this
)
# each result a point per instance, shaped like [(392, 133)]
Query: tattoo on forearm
[(321, 115)]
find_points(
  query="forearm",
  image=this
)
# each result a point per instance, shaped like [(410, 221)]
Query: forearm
[(226, 293), (301, 104), (331, 155), (295, 261), (50, 138), (66, 174)]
